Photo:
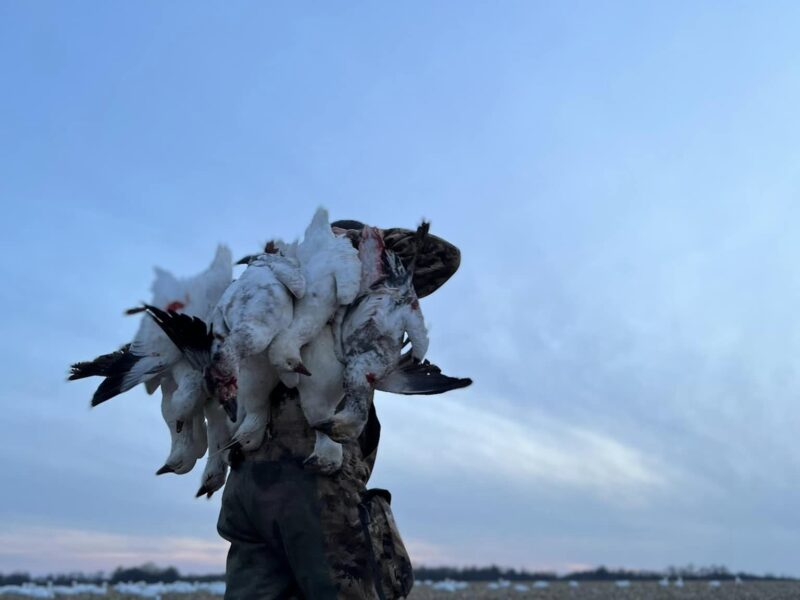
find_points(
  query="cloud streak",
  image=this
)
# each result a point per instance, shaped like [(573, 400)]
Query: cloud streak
[(453, 435), (41, 549)]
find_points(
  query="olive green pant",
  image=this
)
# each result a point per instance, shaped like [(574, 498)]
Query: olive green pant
[(290, 537), (295, 533)]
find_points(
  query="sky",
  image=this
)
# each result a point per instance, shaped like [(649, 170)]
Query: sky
[(621, 178)]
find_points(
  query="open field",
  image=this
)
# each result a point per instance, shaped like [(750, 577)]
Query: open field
[(483, 591), (636, 591)]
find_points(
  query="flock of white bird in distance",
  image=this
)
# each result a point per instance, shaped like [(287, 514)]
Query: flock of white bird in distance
[(158, 590), (329, 315)]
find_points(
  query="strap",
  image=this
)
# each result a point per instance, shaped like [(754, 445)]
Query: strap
[(363, 514)]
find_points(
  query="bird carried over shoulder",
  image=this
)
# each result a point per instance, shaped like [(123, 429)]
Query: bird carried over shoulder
[(151, 353), (251, 312), (372, 329), (327, 315), (332, 272), (152, 359)]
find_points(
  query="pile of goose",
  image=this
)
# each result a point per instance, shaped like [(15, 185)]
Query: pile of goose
[(330, 315)]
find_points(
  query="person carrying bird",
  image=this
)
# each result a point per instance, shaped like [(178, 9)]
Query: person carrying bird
[(298, 533), (295, 508)]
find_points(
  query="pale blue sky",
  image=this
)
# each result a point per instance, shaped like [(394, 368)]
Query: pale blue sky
[(622, 180)]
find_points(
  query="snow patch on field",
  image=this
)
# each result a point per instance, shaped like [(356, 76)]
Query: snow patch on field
[(143, 590)]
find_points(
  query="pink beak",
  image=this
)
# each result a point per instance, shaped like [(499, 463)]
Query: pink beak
[(301, 368)]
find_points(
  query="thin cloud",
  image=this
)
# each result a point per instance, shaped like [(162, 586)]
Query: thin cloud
[(42, 549), (453, 433)]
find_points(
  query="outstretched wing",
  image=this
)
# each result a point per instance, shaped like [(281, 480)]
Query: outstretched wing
[(102, 366), (115, 367), (154, 354), (189, 334), (413, 377)]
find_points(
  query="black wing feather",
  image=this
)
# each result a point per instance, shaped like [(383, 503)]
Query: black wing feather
[(114, 366), (190, 334), (104, 365), (412, 377), (111, 386)]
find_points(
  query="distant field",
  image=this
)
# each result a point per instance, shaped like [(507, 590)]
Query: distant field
[(555, 591), (636, 591)]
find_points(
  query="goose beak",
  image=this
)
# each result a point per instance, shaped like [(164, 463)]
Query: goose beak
[(301, 368)]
